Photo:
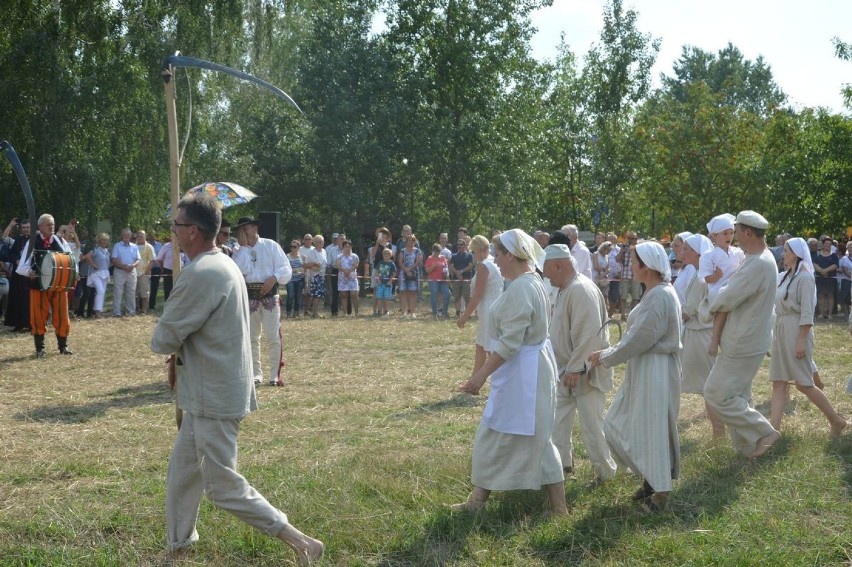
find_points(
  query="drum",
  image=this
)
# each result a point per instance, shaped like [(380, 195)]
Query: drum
[(58, 272)]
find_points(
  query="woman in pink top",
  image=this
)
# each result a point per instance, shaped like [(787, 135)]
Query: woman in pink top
[(436, 271)]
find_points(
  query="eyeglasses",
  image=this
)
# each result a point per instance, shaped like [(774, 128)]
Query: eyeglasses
[(176, 224)]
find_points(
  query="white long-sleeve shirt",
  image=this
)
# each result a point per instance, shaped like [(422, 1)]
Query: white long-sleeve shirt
[(266, 258)]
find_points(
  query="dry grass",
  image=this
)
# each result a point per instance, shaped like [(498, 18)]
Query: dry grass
[(363, 449)]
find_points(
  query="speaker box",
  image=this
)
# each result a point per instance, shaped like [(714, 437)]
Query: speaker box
[(270, 225)]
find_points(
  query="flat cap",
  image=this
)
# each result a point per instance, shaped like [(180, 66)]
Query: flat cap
[(752, 219), (556, 251)]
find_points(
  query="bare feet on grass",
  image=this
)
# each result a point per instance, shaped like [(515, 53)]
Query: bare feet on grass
[(307, 548), (838, 427), (764, 444)]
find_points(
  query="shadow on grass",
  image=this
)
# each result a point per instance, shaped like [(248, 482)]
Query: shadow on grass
[(153, 393), (694, 499), (444, 537), (842, 450), (457, 401), (10, 360)]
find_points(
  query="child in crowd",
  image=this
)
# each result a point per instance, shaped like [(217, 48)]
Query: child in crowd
[(386, 269), (717, 267)]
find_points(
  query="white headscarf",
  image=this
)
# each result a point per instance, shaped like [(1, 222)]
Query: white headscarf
[(721, 222), (699, 243), (654, 256), (800, 249), (684, 235), (524, 246)]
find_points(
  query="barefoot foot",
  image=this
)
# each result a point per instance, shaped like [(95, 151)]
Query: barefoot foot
[(764, 444), (837, 428), (307, 549)]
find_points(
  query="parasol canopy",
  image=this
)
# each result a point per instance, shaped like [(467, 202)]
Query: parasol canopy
[(227, 193)]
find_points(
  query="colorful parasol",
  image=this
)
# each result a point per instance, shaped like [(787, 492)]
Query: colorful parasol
[(229, 194)]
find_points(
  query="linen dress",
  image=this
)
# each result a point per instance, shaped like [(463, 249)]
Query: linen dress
[(493, 289), (697, 334), (641, 425), (794, 306), (505, 461)]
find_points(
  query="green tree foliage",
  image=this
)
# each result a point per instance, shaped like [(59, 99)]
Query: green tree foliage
[(461, 64), (811, 172), (701, 140), (743, 84), (438, 119), (697, 157), (843, 51), (617, 75)]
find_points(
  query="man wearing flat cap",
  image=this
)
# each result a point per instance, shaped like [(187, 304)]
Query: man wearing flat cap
[(265, 267), (742, 330), (576, 330)]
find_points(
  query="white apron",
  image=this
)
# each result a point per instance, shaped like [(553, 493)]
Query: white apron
[(511, 402)]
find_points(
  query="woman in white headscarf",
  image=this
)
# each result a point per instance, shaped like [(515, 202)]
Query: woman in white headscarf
[(641, 424), (513, 449), (697, 331), (793, 337)]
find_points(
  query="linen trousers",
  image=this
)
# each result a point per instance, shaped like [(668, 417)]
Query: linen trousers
[(728, 393), (590, 408), (266, 318), (124, 288), (204, 459)]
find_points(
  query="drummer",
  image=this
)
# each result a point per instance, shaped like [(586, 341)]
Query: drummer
[(41, 302)]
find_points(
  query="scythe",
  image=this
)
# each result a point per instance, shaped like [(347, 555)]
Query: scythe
[(169, 63), (12, 156)]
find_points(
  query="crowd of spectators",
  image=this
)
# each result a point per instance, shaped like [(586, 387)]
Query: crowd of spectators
[(140, 264)]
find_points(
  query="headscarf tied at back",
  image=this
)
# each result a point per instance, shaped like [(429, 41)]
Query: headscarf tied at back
[(654, 256), (699, 243), (524, 246), (800, 249)]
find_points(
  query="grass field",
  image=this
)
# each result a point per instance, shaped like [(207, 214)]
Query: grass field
[(364, 449)]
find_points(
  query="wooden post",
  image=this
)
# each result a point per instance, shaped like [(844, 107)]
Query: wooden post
[(174, 158), (174, 170)]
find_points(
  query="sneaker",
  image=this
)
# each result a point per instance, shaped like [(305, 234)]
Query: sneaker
[(40, 353), (258, 381), (65, 350), (273, 383)]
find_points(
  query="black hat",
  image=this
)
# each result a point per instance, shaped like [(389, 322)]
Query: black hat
[(247, 220)]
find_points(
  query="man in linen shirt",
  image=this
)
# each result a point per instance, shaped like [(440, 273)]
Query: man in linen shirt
[(742, 332), (125, 258), (576, 330), (216, 390), (265, 267)]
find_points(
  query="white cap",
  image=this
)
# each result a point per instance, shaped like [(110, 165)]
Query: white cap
[(752, 219), (556, 251)]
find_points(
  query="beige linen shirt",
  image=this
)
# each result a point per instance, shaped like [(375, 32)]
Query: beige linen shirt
[(577, 329), (749, 299), (206, 324)]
